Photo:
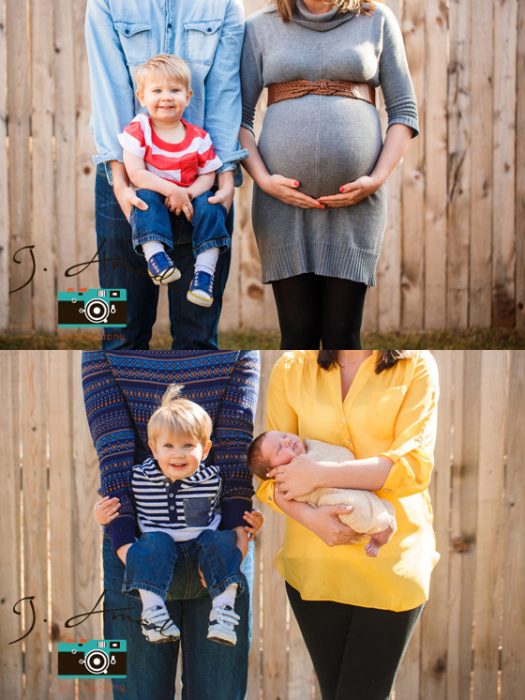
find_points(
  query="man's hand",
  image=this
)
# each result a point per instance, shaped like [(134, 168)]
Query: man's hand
[(224, 195), (123, 191), (127, 198), (255, 520), (106, 510)]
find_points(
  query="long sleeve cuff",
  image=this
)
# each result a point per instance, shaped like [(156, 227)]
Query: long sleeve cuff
[(230, 160), (233, 511), (121, 531), (266, 493)]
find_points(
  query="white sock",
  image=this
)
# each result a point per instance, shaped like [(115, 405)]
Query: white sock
[(149, 599), (207, 261), (227, 597), (149, 248)]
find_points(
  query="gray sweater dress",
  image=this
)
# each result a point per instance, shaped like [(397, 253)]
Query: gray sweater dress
[(323, 141)]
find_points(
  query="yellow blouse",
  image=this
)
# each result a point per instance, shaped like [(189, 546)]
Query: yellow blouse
[(391, 414)]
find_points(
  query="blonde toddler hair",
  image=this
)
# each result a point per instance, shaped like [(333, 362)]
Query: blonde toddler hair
[(168, 65), (180, 417)]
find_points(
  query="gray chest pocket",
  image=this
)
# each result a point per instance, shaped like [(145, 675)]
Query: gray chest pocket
[(196, 511), (201, 40), (135, 39)]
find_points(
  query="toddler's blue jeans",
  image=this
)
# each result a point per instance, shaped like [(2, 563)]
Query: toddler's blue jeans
[(157, 223), (151, 561)]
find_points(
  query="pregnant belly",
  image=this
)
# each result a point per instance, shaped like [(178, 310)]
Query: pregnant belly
[(324, 142)]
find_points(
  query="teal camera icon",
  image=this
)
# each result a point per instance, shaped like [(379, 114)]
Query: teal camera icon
[(92, 658), (98, 308)]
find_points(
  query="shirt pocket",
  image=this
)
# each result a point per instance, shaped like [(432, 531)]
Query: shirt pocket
[(135, 39), (197, 511), (201, 40)]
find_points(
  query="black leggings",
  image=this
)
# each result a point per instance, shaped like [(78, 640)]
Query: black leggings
[(313, 309), (356, 651)]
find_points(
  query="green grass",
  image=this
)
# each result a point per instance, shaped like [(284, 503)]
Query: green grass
[(491, 339)]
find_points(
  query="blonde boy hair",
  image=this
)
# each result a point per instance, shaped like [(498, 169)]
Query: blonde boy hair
[(180, 417), (171, 66)]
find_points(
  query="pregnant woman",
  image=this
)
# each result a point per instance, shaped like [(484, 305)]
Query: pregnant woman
[(356, 613), (319, 207)]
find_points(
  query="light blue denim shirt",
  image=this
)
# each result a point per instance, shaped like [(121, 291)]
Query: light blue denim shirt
[(208, 34)]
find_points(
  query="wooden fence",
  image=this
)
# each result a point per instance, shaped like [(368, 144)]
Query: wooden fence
[(470, 639), (454, 251)]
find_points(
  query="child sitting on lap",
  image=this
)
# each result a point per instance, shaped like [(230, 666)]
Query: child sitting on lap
[(172, 164), (370, 515), (177, 500)]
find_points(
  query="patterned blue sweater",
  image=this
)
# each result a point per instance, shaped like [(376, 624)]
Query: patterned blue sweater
[(123, 388)]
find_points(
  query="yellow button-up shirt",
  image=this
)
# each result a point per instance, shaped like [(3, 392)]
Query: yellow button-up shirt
[(391, 414)]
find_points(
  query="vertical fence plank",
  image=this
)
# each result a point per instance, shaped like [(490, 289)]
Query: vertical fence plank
[(19, 163), (487, 594), (434, 632), (65, 135), (459, 137), (463, 520), (435, 135), (43, 185), (63, 553), (4, 180), (513, 668), (412, 282), (10, 627), (254, 660), (85, 170), (481, 159), (34, 391), (505, 38), (520, 171)]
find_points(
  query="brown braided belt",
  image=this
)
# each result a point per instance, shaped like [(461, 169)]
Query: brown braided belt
[(298, 88)]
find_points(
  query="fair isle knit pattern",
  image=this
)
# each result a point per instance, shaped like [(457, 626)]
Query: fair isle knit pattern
[(123, 388)]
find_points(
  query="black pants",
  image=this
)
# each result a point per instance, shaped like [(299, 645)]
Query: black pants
[(356, 651), (316, 310)]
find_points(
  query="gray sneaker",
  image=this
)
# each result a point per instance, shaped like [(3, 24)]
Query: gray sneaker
[(223, 619), (157, 625)]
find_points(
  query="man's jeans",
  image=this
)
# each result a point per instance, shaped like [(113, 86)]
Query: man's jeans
[(210, 671), (151, 561), (192, 326), (157, 223)]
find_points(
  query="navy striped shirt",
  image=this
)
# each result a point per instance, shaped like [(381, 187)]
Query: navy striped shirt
[(181, 508)]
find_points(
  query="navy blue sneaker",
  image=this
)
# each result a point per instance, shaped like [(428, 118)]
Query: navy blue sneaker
[(161, 269), (201, 289)]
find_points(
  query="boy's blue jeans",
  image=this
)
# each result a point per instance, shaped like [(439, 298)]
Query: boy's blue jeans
[(152, 560), (209, 670), (157, 223)]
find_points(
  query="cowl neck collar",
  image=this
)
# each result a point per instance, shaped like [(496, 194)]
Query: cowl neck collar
[(319, 23)]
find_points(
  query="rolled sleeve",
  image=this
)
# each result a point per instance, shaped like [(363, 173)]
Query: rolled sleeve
[(223, 92), (412, 451)]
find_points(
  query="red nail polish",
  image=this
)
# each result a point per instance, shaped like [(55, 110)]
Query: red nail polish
[(341, 189), (296, 183)]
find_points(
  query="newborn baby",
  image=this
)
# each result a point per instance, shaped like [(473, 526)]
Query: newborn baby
[(370, 515)]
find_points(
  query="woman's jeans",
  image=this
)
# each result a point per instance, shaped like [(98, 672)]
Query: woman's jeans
[(210, 671), (151, 561), (191, 326), (157, 223)]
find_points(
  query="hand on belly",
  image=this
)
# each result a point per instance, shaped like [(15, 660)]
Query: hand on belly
[(352, 192)]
